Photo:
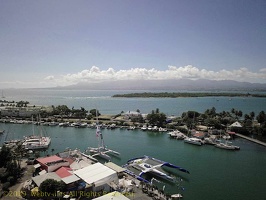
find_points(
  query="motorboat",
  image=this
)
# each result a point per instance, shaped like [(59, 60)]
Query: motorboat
[(177, 135), (210, 140), (192, 140), (227, 145), (137, 167)]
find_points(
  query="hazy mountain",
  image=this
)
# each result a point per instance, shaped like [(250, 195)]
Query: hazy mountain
[(180, 84)]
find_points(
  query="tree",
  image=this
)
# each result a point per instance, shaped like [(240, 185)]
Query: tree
[(5, 156), (261, 117), (52, 186), (95, 112), (156, 119)]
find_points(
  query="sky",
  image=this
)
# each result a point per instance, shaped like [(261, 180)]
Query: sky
[(47, 43)]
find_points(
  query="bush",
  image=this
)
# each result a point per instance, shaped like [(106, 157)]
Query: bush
[(11, 180), (5, 186)]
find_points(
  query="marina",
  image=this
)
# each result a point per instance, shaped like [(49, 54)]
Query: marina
[(207, 165)]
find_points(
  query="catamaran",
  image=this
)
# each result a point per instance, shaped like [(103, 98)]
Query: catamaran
[(137, 167), (34, 142), (101, 151)]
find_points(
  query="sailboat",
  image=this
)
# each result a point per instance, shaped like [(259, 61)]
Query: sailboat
[(34, 142), (102, 150)]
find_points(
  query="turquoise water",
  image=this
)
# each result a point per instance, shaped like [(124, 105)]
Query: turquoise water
[(214, 173), (108, 105)]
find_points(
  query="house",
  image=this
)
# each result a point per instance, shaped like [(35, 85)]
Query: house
[(52, 163), (131, 114), (19, 111)]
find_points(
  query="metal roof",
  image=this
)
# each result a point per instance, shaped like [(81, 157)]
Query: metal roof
[(115, 167), (96, 173)]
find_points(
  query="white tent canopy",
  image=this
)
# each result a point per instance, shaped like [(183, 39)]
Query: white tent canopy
[(97, 174), (112, 196)]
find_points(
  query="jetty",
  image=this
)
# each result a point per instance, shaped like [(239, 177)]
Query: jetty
[(251, 139)]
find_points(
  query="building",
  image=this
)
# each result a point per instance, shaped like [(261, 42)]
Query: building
[(19, 111), (52, 163)]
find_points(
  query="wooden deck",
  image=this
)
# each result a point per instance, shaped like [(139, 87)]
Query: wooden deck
[(251, 139)]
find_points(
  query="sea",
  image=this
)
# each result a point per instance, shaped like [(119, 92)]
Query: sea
[(215, 174)]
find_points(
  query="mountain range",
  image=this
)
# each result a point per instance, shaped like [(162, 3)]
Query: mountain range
[(177, 84)]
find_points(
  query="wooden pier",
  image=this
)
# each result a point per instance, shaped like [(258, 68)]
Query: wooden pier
[(251, 139)]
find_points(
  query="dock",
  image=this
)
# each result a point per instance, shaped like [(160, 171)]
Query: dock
[(251, 139)]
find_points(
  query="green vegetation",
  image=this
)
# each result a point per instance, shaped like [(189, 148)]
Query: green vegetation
[(11, 170), (64, 112), (52, 186), (156, 118), (186, 94)]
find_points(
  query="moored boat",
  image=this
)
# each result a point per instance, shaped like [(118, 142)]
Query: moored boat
[(36, 142), (146, 164), (227, 145), (195, 141), (177, 135)]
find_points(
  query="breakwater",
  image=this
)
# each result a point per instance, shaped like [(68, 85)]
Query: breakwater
[(251, 139)]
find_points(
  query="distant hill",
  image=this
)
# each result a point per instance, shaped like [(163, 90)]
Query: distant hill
[(180, 84)]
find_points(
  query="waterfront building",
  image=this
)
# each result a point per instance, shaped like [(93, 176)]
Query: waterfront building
[(52, 163), (19, 111)]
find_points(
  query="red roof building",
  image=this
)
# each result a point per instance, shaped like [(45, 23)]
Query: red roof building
[(52, 163), (63, 172)]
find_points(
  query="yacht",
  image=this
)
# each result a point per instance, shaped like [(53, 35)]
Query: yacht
[(195, 141), (102, 150), (177, 134), (33, 142), (227, 145), (36, 142), (137, 167)]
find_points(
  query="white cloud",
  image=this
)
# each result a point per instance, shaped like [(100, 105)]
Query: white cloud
[(49, 78), (95, 74)]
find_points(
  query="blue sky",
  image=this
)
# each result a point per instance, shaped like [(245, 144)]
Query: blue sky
[(49, 43)]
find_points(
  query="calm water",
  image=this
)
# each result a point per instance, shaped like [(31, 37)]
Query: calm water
[(103, 101), (214, 173)]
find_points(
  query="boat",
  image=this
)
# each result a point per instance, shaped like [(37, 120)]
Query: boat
[(193, 140), (102, 150), (34, 142), (210, 140), (144, 127), (226, 145), (137, 167), (177, 135)]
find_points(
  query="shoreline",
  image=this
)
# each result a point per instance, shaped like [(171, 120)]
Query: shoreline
[(186, 94)]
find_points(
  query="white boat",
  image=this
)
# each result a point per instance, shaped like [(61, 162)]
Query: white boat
[(144, 127), (227, 145), (63, 124), (137, 167), (177, 134), (101, 151), (195, 141), (210, 140), (36, 142)]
